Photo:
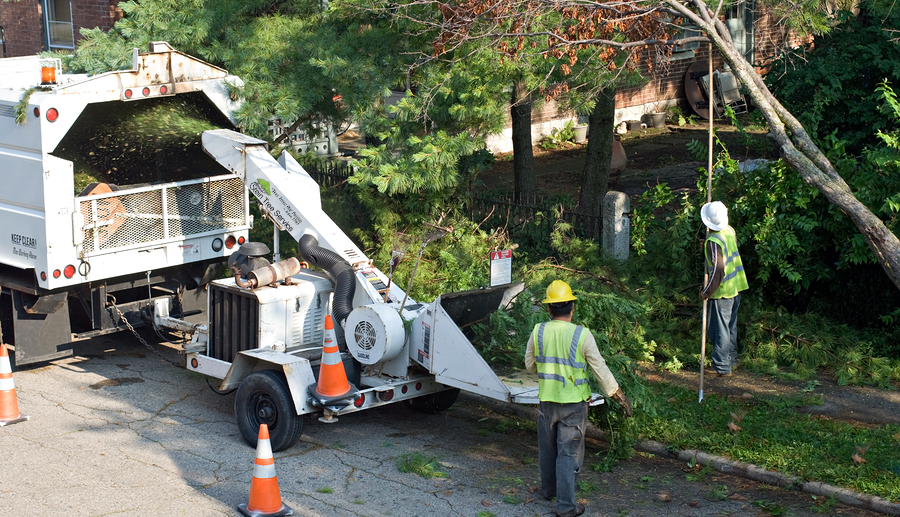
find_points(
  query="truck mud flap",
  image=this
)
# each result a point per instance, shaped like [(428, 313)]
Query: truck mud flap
[(39, 332)]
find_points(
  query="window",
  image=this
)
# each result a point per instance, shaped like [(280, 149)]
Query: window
[(685, 50), (739, 20), (58, 29)]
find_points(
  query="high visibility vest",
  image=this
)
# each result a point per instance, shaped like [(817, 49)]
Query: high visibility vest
[(734, 280), (562, 370)]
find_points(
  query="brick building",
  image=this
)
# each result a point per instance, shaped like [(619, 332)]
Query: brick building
[(755, 33), (32, 26)]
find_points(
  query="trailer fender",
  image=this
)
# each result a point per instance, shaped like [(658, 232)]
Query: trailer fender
[(297, 370)]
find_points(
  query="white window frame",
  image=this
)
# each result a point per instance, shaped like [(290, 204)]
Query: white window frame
[(59, 25)]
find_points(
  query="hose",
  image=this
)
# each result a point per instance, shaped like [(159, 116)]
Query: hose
[(341, 271)]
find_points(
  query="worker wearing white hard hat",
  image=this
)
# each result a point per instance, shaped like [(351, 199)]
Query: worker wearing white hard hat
[(560, 352), (723, 290)]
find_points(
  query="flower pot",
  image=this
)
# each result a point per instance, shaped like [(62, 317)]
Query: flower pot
[(580, 133), (657, 119), (633, 125)]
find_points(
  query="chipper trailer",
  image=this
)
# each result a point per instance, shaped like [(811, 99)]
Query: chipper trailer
[(265, 331)]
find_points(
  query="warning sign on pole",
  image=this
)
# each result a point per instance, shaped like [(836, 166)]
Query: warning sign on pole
[(501, 267)]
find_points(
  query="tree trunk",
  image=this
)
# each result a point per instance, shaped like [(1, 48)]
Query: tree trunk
[(595, 176), (523, 155), (797, 148)]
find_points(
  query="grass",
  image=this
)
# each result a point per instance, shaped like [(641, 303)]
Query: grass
[(774, 436)]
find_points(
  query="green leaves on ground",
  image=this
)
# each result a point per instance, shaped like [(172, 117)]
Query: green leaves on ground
[(420, 465)]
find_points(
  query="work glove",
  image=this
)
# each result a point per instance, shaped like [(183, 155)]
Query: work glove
[(622, 400)]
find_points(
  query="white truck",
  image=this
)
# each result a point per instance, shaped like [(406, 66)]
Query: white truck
[(263, 333), (68, 259)]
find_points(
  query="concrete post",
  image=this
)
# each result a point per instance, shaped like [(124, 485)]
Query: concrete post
[(616, 237)]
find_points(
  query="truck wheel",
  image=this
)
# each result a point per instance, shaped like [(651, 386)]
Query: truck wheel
[(433, 403), (264, 398)]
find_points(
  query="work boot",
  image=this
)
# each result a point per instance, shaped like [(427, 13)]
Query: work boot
[(579, 509)]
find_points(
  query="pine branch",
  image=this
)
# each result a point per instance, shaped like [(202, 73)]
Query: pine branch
[(615, 283)]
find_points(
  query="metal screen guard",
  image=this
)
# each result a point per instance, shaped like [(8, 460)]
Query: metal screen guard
[(126, 218)]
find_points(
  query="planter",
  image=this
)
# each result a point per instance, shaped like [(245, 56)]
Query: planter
[(633, 125), (580, 133), (657, 119)]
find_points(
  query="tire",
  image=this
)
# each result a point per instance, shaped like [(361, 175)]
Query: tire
[(433, 403), (264, 398)]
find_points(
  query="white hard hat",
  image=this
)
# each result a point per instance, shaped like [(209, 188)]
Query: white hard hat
[(714, 215)]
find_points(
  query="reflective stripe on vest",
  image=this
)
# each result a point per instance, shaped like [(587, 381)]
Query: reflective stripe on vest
[(554, 372), (734, 279)]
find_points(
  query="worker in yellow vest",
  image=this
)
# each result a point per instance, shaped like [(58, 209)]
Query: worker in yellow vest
[(560, 352), (726, 281)]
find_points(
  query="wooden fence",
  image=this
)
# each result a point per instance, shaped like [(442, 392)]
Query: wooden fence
[(329, 174)]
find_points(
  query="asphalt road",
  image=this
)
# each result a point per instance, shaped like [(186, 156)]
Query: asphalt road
[(118, 430)]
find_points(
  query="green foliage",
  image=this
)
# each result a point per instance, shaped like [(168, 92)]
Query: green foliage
[(511, 499), (677, 114), (792, 243), (420, 465), (559, 136), (292, 56), (831, 86), (21, 109)]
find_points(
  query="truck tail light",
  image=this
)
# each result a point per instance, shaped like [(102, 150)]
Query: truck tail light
[(241, 239), (37, 112), (163, 90), (128, 94), (386, 396), (69, 271), (52, 114), (217, 244), (145, 91), (230, 241), (56, 273), (360, 401), (43, 275)]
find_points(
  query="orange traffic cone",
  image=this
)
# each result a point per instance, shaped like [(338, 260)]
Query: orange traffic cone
[(9, 406), (265, 499), (333, 390)]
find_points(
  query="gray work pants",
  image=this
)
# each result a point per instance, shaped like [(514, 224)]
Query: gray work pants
[(560, 430), (722, 330)]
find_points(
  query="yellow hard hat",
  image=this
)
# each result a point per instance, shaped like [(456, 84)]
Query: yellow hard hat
[(558, 292)]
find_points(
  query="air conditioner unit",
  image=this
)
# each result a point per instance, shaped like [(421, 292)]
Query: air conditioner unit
[(690, 31)]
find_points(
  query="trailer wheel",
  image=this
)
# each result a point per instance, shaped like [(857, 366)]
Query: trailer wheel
[(264, 398), (433, 403)]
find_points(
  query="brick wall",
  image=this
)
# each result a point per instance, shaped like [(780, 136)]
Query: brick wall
[(665, 87), (95, 13), (23, 25), (21, 22)]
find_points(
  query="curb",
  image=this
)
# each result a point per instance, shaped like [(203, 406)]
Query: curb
[(719, 463)]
